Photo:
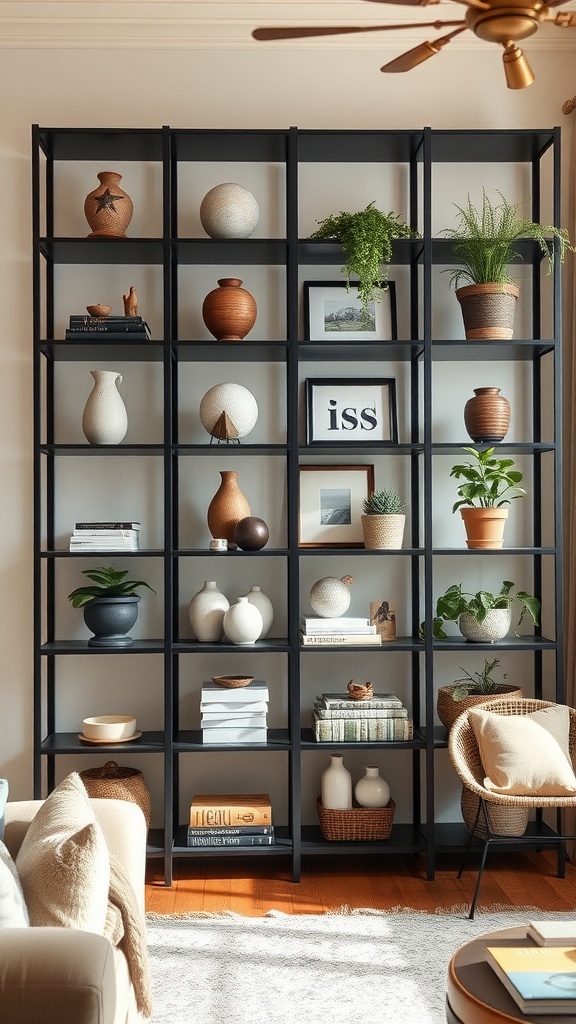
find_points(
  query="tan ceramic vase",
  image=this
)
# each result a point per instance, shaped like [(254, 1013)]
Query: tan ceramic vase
[(487, 415), (108, 209), (228, 507), (229, 311)]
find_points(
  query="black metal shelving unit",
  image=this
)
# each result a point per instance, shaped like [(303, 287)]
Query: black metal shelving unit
[(416, 154)]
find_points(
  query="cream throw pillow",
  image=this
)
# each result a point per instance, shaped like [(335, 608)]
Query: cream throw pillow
[(13, 913), (63, 862), (523, 755)]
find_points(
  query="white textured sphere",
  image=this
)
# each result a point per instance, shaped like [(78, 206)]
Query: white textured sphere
[(329, 597), (236, 402), (229, 211)]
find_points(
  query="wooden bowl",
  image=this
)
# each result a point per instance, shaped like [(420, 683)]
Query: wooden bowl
[(232, 682), (99, 310)]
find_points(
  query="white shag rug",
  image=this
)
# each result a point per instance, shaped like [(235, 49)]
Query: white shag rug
[(352, 967)]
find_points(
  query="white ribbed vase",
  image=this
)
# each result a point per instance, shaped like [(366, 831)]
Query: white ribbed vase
[(336, 785), (206, 613), (104, 420), (242, 622), (372, 790)]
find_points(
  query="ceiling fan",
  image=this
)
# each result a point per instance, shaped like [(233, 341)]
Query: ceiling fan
[(496, 21)]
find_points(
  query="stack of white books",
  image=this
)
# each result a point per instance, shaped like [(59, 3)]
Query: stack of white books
[(105, 536), (337, 632), (234, 716)]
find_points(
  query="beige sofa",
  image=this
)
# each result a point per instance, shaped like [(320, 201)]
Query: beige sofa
[(57, 975)]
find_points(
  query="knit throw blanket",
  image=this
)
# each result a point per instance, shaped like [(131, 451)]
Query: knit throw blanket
[(133, 938)]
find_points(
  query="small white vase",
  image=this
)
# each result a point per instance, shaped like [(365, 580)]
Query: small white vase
[(330, 597), (104, 420), (242, 622), (262, 602), (206, 613), (336, 785), (372, 790)]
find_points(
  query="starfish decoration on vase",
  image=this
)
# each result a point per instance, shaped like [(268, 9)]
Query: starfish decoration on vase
[(106, 201)]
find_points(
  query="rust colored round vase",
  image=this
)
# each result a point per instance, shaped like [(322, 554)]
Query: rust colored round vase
[(228, 507), (108, 208), (229, 311), (487, 415)]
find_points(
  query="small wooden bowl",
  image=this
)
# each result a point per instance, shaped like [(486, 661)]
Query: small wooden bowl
[(232, 682), (99, 310)]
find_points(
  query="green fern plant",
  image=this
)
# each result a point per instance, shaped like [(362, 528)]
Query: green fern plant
[(477, 682), (485, 237), (366, 238), (384, 503)]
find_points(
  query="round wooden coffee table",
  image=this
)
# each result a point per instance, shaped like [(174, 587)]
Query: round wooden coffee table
[(474, 995)]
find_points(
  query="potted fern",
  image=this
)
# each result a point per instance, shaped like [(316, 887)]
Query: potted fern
[(110, 605), (471, 689), (383, 519), (485, 244), (366, 239)]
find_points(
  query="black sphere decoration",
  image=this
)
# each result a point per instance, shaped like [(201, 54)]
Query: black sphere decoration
[(251, 533)]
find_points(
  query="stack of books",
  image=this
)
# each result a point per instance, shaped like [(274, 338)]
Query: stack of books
[(109, 328), (338, 718), (540, 979), (234, 716), (231, 819), (340, 632), (103, 536)]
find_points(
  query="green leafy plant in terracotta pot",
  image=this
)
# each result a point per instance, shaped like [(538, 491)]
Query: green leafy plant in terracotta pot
[(471, 689), (486, 241), (383, 519), (489, 483), (110, 605), (483, 617), (366, 237)]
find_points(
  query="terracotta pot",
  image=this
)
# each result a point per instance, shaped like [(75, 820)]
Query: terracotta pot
[(383, 531), (487, 415), (448, 709), (108, 208), (229, 311), (484, 526), (228, 507), (488, 310)]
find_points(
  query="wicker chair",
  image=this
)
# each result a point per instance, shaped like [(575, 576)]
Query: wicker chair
[(497, 818)]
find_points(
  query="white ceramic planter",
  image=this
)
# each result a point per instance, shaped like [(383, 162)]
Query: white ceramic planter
[(495, 626)]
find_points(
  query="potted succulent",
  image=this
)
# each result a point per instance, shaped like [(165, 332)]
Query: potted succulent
[(383, 519), (366, 238), (488, 484), (471, 689), (485, 242), (110, 605), (482, 617)]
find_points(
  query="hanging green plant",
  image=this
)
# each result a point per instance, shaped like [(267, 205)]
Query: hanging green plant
[(366, 238)]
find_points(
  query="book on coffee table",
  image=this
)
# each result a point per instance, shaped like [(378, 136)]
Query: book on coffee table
[(540, 979), (552, 933)]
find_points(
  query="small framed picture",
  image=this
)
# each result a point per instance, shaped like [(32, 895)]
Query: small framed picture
[(333, 312), (331, 505), (383, 616), (351, 410)]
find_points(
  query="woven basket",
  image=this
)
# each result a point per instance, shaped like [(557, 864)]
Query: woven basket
[(488, 310), (448, 709), (117, 783), (356, 824), (504, 821)]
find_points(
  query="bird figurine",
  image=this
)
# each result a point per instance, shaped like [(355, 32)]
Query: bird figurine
[(360, 691)]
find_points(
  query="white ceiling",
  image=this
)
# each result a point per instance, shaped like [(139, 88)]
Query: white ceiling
[(226, 24)]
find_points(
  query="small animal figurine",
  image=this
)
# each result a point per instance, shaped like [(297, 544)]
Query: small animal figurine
[(131, 302), (360, 691)]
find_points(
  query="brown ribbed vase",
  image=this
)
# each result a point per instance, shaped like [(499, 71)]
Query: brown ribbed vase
[(108, 209), (228, 507), (229, 311), (487, 415)]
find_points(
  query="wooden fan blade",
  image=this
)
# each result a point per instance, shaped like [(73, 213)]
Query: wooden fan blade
[(268, 34), (554, 3), (563, 19), (412, 58)]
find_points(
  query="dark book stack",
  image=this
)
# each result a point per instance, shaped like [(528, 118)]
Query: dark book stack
[(109, 328), (230, 819)]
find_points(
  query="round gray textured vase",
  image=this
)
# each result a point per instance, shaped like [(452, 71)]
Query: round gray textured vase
[(110, 619)]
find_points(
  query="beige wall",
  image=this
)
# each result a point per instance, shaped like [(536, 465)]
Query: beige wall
[(260, 87)]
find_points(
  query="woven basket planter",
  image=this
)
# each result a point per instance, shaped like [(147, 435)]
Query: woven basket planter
[(504, 821), (356, 824), (114, 782), (488, 311), (383, 531), (448, 709)]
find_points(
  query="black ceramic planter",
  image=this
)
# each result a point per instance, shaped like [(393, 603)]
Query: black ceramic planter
[(110, 619)]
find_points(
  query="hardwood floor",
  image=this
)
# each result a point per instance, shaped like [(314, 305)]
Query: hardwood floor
[(251, 886)]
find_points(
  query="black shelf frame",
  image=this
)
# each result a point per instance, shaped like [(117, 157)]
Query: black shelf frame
[(418, 151)]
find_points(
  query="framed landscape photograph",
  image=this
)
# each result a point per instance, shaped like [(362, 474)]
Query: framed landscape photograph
[(332, 312), (351, 410), (331, 505)]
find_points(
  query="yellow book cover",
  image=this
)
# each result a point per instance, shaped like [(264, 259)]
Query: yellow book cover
[(541, 979), (230, 809)]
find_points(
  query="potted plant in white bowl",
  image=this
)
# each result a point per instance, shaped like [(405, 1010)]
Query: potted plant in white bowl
[(110, 605), (383, 519), (489, 483), (471, 689), (486, 244), (483, 617)]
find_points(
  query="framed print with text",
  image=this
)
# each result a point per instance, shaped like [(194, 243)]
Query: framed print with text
[(330, 505), (333, 312), (351, 410)]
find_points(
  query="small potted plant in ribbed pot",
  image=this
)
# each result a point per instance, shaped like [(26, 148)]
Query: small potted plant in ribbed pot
[(488, 485), (383, 519), (471, 689), (110, 605)]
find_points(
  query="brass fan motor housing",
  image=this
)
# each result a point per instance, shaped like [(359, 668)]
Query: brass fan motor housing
[(510, 21)]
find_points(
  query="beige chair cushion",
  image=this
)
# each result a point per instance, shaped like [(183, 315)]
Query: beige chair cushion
[(63, 862), (525, 755)]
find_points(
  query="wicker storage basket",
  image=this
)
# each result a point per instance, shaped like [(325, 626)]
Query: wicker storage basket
[(448, 709), (118, 783), (356, 824), (504, 821)]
